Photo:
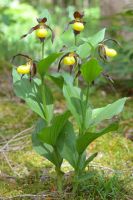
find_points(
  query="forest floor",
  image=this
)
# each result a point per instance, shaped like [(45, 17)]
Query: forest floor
[(25, 175)]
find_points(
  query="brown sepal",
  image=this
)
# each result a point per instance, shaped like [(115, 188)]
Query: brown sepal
[(78, 15), (41, 39), (42, 20)]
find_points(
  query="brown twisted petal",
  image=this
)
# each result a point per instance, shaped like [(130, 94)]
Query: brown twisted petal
[(31, 30), (107, 76), (59, 65), (67, 26), (102, 52), (78, 74), (113, 40), (33, 69), (71, 68), (78, 15), (110, 80), (53, 36), (20, 54), (75, 64)]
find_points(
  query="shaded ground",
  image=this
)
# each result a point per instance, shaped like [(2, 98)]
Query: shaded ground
[(24, 172)]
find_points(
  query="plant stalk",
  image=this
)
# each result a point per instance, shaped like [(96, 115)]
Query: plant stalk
[(75, 40), (59, 179), (42, 49), (87, 95)]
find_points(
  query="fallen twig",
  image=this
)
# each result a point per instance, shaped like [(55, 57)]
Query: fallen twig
[(51, 195), (14, 137)]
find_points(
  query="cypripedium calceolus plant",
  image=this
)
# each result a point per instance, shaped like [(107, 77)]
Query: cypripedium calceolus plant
[(55, 136)]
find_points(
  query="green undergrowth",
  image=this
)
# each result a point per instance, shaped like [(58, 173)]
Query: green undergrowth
[(31, 174)]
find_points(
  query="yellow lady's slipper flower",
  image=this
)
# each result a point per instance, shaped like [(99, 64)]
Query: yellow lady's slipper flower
[(69, 60), (41, 33), (110, 52), (23, 69), (78, 26)]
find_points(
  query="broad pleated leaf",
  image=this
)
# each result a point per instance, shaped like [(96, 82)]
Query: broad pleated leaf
[(107, 112), (60, 78), (41, 148), (69, 151), (50, 133), (44, 64), (28, 91), (84, 50), (95, 39), (91, 70), (72, 95)]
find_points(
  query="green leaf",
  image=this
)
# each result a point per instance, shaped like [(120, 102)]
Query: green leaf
[(84, 140), (107, 112), (50, 133), (72, 95), (84, 50), (28, 91), (95, 39), (91, 70), (88, 117), (60, 78), (90, 159), (49, 104), (41, 148), (44, 64), (31, 93), (69, 151)]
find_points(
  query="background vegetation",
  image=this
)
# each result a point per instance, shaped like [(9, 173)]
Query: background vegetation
[(20, 166)]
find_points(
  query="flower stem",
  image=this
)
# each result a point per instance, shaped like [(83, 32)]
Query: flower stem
[(42, 49), (75, 40)]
